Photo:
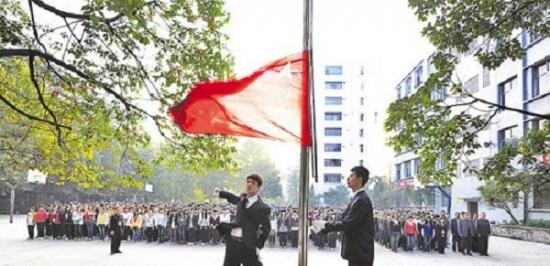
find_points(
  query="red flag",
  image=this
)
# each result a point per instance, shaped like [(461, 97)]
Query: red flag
[(270, 103)]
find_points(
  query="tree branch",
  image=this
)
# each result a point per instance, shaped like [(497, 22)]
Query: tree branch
[(41, 98), (500, 106), (65, 14), (29, 116)]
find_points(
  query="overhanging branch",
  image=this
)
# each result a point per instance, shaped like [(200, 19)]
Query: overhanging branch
[(29, 116)]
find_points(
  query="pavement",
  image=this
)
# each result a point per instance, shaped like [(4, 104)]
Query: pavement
[(17, 251)]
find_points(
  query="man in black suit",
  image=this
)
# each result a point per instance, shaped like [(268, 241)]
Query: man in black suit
[(249, 229), (484, 230), (115, 228), (454, 232), (357, 222)]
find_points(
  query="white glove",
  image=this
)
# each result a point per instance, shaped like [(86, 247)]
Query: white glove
[(318, 225)]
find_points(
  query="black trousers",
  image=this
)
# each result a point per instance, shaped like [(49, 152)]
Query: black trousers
[(360, 263), (456, 243), (283, 239), (30, 228), (115, 242), (41, 228), (483, 244), (466, 244), (294, 238), (441, 243), (236, 253)]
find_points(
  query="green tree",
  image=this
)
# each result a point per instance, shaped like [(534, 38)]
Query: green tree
[(83, 78), (272, 189), (448, 131), (515, 172), (314, 199), (293, 188), (384, 196), (337, 196)]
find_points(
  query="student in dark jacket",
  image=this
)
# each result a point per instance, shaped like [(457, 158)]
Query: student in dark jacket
[(454, 233), (356, 222), (441, 235), (115, 230), (251, 226), (466, 231), (483, 230)]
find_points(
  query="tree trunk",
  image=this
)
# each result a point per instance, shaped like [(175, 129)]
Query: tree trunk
[(525, 207), (12, 202), (507, 209)]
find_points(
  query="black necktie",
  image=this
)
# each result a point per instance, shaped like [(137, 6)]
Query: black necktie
[(245, 201)]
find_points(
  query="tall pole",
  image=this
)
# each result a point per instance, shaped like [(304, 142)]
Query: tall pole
[(304, 177), (12, 202)]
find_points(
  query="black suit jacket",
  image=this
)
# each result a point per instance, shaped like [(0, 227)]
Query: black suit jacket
[(115, 224), (357, 224), (254, 221)]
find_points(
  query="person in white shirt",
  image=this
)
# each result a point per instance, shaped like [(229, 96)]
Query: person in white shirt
[(160, 224), (149, 224), (30, 223)]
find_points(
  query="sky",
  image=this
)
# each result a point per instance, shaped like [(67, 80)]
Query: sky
[(382, 35), (385, 36)]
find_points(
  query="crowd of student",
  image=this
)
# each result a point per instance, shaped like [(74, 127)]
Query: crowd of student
[(185, 224), (427, 231), (194, 224)]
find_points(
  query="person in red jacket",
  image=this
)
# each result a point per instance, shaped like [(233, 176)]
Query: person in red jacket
[(41, 217), (55, 218), (410, 232)]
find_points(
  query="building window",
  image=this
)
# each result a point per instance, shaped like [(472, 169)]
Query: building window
[(361, 162), (472, 85), (361, 117), (408, 87), (333, 116), (540, 79), (439, 164), (439, 94), (503, 89), (333, 100), (362, 101), (407, 166), (419, 73), (361, 132), (486, 77), (542, 196), (533, 124), (334, 85), (333, 178), (506, 137), (431, 65), (398, 172), (333, 147), (333, 162), (333, 70), (398, 90), (416, 170), (362, 70), (361, 147), (532, 37), (333, 131)]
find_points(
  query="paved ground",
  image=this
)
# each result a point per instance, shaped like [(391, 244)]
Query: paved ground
[(15, 250)]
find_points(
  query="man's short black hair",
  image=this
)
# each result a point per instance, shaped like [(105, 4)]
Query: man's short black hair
[(256, 178), (362, 172)]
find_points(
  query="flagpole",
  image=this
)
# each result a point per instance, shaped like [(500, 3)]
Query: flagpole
[(304, 165)]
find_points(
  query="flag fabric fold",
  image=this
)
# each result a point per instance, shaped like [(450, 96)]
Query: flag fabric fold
[(271, 103)]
